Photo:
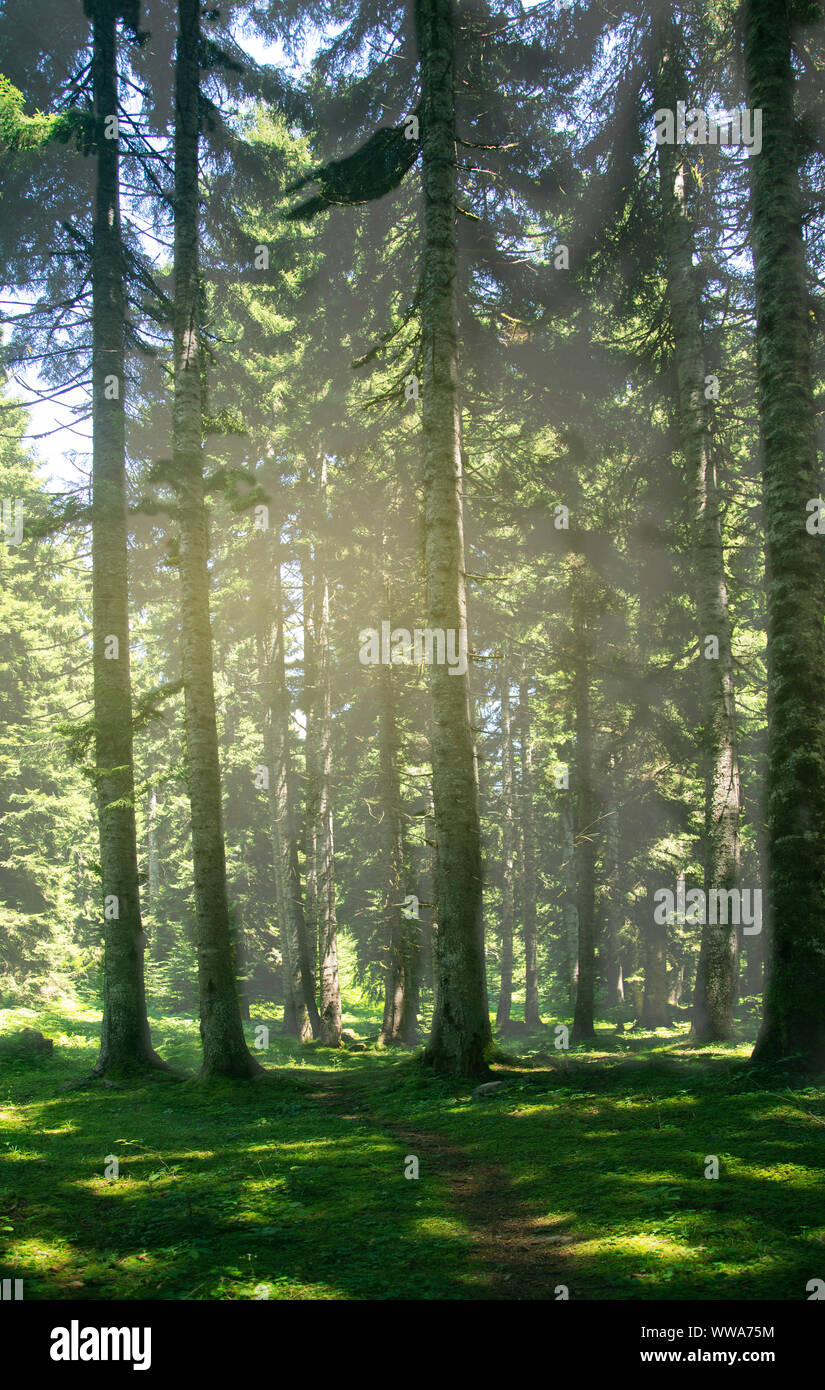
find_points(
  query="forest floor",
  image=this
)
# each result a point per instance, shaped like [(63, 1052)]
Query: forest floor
[(586, 1170)]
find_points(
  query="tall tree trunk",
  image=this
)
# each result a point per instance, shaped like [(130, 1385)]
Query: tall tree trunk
[(754, 963), (396, 927), (461, 1024), (430, 930), (583, 1027), (505, 997), (125, 1040), (224, 1047), (152, 847), (756, 945), (528, 862), (794, 1020), (714, 991), (412, 983), (570, 916), (654, 1012), (301, 1015), (319, 784), (240, 958), (311, 753), (676, 984), (611, 965), (269, 638)]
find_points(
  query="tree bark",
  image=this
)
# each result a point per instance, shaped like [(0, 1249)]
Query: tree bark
[(570, 916), (320, 843), (125, 1041), (794, 1019), (528, 863), (583, 1027), (756, 947), (654, 1013), (225, 1052), (429, 964), (714, 990), (461, 1024), (301, 1015), (505, 997), (611, 964), (152, 847), (399, 1022), (310, 702)]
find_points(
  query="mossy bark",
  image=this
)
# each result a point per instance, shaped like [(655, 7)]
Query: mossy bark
[(794, 1017)]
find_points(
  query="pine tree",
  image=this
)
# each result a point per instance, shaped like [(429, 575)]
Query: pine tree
[(461, 1026), (225, 1052), (528, 859), (794, 1018), (301, 1010), (125, 1039), (505, 998), (713, 996)]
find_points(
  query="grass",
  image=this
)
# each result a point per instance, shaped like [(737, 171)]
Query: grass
[(587, 1170)]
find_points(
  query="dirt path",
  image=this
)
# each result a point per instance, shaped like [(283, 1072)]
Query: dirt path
[(514, 1254)]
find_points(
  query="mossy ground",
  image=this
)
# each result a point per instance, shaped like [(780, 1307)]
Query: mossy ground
[(587, 1170)]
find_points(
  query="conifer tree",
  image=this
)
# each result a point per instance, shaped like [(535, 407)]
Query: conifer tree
[(794, 1018)]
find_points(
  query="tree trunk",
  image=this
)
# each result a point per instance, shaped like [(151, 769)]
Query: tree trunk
[(570, 922), (240, 959), (505, 997), (676, 984), (224, 1047), (461, 1024), (430, 933), (310, 703), (125, 1041), (319, 785), (754, 961), (654, 1013), (756, 946), (152, 847), (528, 863), (794, 1020), (714, 991), (583, 1027), (301, 1015), (397, 1025), (610, 954)]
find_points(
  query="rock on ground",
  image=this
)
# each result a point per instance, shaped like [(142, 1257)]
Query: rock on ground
[(488, 1089), (27, 1042)]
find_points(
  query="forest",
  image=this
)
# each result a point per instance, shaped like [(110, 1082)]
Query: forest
[(412, 650)]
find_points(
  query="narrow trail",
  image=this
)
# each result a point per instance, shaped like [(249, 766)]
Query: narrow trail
[(513, 1254)]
